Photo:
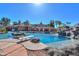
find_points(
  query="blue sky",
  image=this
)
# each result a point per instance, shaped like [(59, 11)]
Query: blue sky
[(36, 13)]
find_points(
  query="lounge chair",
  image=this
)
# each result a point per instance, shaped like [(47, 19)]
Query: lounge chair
[(23, 39)]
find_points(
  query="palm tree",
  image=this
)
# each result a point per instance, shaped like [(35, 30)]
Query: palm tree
[(51, 23), (0, 22), (5, 21), (27, 25), (19, 22), (64, 25), (15, 23), (41, 24), (68, 23), (26, 22), (58, 23)]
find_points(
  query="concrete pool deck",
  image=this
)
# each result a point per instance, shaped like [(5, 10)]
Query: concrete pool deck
[(10, 40), (63, 44), (34, 46), (60, 44), (9, 47), (12, 49)]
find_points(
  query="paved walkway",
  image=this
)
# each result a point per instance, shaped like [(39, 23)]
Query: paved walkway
[(12, 49), (8, 48)]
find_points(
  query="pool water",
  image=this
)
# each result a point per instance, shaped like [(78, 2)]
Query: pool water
[(5, 36), (44, 38), (48, 38)]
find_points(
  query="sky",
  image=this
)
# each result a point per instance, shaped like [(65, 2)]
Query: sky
[(37, 12)]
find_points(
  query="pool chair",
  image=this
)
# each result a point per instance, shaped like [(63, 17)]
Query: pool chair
[(23, 39), (26, 37)]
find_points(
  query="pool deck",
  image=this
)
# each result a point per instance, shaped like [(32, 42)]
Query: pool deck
[(63, 44), (9, 47)]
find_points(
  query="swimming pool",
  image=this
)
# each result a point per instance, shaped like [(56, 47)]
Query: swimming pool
[(44, 38), (5, 36), (47, 38)]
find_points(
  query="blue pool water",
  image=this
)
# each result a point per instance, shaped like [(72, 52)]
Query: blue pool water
[(44, 38), (47, 38), (5, 36)]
